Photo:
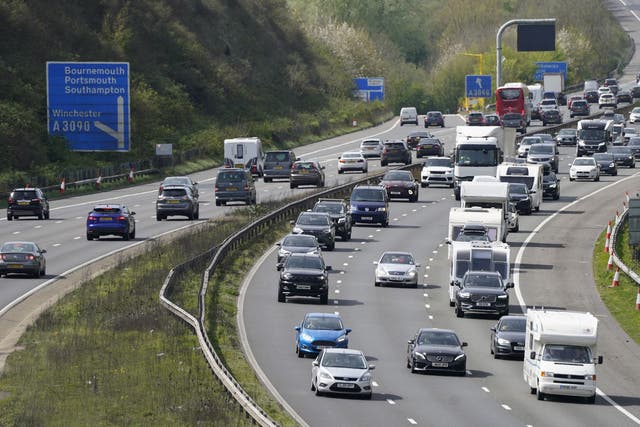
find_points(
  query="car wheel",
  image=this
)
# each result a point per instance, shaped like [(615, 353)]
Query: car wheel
[(590, 399), (133, 234), (367, 396), (419, 156), (299, 353), (89, 236), (615, 173), (197, 214), (331, 246), (46, 215), (313, 386), (458, 311), (37, 274), (292, 185), (597, 178), (126, 235), (281, 297), (9, 217), (340, 171), (423, 184), (265, 179), (40, 216), (532, 390), (190, 216), (218, 202), (540, 395), (385, 224), (324, 298), (318, 392), (383, 163), (413, 367), (516, 228), (376, 284), (633, 166)]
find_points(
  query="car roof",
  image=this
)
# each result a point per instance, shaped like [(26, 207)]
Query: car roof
[(436, 330), (108, 206), (330, 200), (396, 252), (330, 315), (343, 350), (353, 153), (26, 189)]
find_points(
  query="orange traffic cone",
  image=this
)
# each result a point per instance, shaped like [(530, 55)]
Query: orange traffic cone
[(609, 230), (62, 186), (616, 279), (638, 299), (606, 245), (610, 262)]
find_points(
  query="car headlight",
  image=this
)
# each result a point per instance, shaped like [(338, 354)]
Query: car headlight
[(306, 337), (341, 338), (502, 341), (353, 208), (382, 209), (419, 356), (630, 157), (611, 165), (601, 143), (590, 377), (287, 276), (341, 220), (381, 272), (411, 273), (325, 375), (326, 231), (460, 357), (464, 294), (572, 170), (365, 377), (283, 253), (410, 191), (503, 296), (297, 230), (581, 143), (552, 185)]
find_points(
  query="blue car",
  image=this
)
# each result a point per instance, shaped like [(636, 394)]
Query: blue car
[(369, 204), (318, 331), (105, 220)]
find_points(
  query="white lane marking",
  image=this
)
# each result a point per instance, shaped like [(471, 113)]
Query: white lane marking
[(427, 267), (518, 261), (430, 317), (342, 272), (335, 302), (404, 214), (377, 230), (345, 264), (391, 402), (414, 210), (440, 245), (363, 243), (623, 3), (55, 245), (430, 259), (38, 226), (425, 295), (486, 390), (337, 313), (338, 281), (77, 238), (356, 249), (337, 291), (350, 256), (434, 251), (373, 383), (412, 421), (427, 305), (371, 235), (16, 232), (395, 219), (506, 407), (58, 222), (78, 217)]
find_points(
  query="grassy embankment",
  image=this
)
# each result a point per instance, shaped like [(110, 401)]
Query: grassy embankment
[(110, 354), (621, 300)]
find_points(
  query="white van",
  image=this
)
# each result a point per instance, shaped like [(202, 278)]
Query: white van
[(244, 153), (527, 173), (408, 115), (535, 94), (590, 85)]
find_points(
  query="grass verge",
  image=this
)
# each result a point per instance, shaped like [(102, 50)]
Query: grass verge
[(110, 354), (621, 300)]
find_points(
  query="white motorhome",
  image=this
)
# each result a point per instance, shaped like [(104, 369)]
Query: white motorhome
[(244, 153), (487, 195), (476, 256), (560, 353), (527, 173), (491, 218), (535, 94), (478, 150)]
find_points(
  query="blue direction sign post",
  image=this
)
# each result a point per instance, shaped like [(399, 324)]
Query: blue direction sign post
[(88, 104), (549, 67), (369, 88), (478, 86)]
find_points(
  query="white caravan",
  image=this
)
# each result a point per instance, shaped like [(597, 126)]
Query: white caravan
[(244, 153), (526, 173), (488, 195), (560, 353)]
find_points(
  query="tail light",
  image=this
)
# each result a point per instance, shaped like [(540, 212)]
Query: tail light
[(122, 218), (11, 200), (3, 257), (92, 218), (246, 188), (37, 200), (341, 161), (216, 188)]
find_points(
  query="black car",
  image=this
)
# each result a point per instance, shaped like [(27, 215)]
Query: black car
[(338, 210), (436, 350), (623, 156), (579, 108), (400, 184), (635, 92), (177, 200), (624, 96), (414, 138), (551, 186), (297, 243), (429, 147), (507, 337), (27, 202), (482, 292), (591, 96), (551, 116), (567, 137), (318, 224), (492, 120), (520, 197), (607, 163), (306, 173), (475, 119), (23, 258), (304, 275), (234, 185), (514, 120), (277, 164), (434, 118), (395, 152)]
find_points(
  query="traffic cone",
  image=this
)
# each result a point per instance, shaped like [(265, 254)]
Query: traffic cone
[(609, 230), (626, 196), (607, 242), (610, 262), (62, 186), (616, 279), (99, 182), (638, 299), (131, 175), (617, 217)]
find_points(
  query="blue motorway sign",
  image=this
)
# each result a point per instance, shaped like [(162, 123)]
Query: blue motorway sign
[(88, 104), (369, 88), (549, 67), (478, 87)]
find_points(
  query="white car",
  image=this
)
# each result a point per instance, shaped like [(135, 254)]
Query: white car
[(548, 104), (396, 268), (607, 100), (437, 170), (341, 371), (634, 115), (604, 89), (371, 147), (352, 161), (526, 143), (584, 168)]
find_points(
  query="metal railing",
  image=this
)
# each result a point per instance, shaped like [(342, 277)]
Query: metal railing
[(618, 262)]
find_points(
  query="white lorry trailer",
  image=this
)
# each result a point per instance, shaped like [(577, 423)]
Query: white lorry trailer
[(553, 82), (488, 195), (476, 256), (478, 151), (560, 353), (244, 153)]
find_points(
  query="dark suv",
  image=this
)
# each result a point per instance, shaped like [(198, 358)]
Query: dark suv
[(514, 120), (339, 213), (434, 118), (369, 204), (304, 275), (177, 200), (277, 164), (579, 107), (27, 202), (395, 152), (318, 224), (482, 292), (234, 185)]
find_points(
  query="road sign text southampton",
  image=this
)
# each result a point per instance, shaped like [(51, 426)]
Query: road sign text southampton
[(88, 104)]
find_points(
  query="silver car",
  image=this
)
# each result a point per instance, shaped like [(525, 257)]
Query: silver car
[(341, 371), (352, 161), (371, 147), (396, 268)]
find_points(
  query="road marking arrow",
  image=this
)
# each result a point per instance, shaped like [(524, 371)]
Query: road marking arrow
[(117, 134), (479, 82)]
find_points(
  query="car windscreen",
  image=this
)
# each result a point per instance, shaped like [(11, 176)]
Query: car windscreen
[(17, 247), (370, 143), (334, 208), (299, 241), (176, 181), (24, 194), (514, 324), (396, 259), (368, 195), (313, 220), (304, 262), (276, 157), (323, 323), (541, 149), (584, 162), (438, 338), (397, 176), (439, 162), (107, 210), (482, 280), (230, 176), (342, 360), (174, 192), (516, 188)]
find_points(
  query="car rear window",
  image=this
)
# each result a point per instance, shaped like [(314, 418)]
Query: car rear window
[(174, 192), (230, 176), (25, 194), (370, 142), (277, 157), (307, 165), (107, 210), (394, 145), (368, 194)]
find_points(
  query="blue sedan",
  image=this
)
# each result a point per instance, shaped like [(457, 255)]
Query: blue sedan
[(318, 331)]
